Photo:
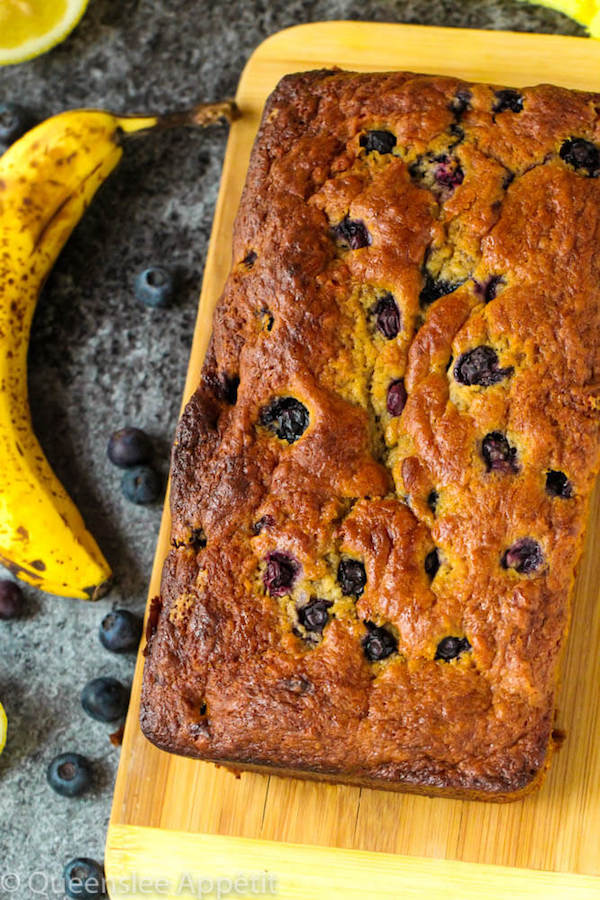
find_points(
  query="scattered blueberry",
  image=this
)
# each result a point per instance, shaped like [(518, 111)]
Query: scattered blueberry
[(448, 172), (379, 643), (432, 501), (432, 563), (264, 522), (499, 456), (480, 366), (451, 648), (489, 289), (129, 447), (249, 259), (558, 485), (387, 316), (351, 234), (435, 288), (121, 631), (378, 141), (351, 577), (396, 397), (457, 132), (69, 774), (155, 286), (84, 879), (460, 102), (11, 599), (314, 615), (508, 99), (15, 120), (280, 573), (141, 485), (286, 417), (524, 556), (105, 699), (581, 154)]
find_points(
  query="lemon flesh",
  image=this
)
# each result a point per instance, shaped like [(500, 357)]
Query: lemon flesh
[(3, 728), (30, 27)]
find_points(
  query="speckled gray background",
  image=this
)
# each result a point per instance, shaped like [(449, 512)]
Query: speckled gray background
[(99, 360)]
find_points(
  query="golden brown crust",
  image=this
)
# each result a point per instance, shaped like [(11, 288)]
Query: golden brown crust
[(491, 461)]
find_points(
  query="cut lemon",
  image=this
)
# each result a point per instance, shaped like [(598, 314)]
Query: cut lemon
[(3, 728), (30, 27), (586, 12)]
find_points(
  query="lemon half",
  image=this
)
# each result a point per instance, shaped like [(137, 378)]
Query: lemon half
[(3, 728), (30, 27)]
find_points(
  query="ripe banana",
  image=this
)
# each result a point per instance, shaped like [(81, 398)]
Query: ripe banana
[(47, 180)]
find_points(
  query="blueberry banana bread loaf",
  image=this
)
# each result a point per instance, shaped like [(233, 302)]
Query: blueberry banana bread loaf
[(380, 487)]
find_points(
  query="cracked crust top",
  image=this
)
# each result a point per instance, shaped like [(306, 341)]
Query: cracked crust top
[(379, 489)]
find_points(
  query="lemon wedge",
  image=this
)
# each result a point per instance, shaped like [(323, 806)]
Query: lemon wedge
[(30, 27), (3, 728), (586, 12)]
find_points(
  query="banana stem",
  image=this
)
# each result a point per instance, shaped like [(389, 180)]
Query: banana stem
[(200, 115)]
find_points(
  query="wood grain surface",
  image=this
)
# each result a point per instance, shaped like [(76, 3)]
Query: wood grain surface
[(169, 813)]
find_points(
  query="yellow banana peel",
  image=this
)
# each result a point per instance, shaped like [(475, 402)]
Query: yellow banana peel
[(586, 12), (47, 180)]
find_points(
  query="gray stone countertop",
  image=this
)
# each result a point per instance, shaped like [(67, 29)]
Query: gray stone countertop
[(98, 359)]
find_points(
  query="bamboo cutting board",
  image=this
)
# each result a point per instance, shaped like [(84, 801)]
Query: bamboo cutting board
[(172, 817)]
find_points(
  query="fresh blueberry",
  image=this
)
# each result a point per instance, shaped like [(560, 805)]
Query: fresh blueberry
[(15, 120), (508, 99), (581, 154), (396, 397), (480, 366), (351, 234), (105, 699), (432, 563), (69, 774), (434, 288), (448, 172), (314, 615), (249, 259), (155, 286), (84, 879), (387, 316), (451, 648), (379, 643), (460, 102), (499, 456), (489, 289), (11, 599), (264, 522), (286, 417), (141, 485), (558, 485), (280, 574), (524, 556), (351, 577), (432, 501), (378, 141), (129, 447), (121, 631)]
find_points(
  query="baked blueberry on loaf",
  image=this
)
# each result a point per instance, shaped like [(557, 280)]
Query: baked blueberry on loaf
[(380, 487)]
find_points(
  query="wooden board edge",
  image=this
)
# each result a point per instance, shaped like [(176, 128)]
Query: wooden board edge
[(311, 37), (170, 861)]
